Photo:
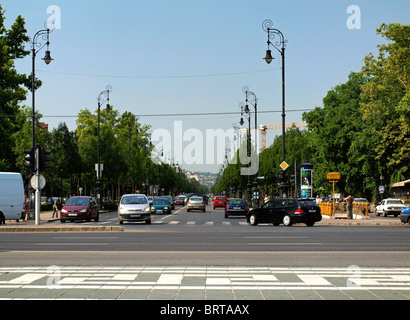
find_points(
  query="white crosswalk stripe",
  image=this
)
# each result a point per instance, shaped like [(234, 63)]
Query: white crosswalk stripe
[(205, 278)]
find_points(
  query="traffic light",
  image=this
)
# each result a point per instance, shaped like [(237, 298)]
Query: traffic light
[(30, 160), (44, 159)]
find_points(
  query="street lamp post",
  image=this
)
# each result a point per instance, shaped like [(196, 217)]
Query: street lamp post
[(248, 144), (45, 33), (280, 46), (103, 95), (254, 102)]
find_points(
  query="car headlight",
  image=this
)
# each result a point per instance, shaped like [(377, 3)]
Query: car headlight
[(63, 210), (165, 208), (84, 210), (147, 209)]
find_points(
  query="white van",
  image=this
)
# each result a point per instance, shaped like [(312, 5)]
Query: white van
[(11, 196)]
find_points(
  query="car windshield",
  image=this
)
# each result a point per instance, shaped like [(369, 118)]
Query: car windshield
[(77, 202), (394, 202), (160, 201), (134, 200), (237, 201)]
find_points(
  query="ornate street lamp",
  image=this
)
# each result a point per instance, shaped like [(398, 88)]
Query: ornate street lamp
[(254, 102), (106, 96), (280, 46), (45, 33)]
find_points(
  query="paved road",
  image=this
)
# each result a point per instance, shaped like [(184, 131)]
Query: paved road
[(204, 256)]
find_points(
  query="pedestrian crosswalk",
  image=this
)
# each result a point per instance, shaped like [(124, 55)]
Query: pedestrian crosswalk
[(189, 222), (177, 280), (205, 223)]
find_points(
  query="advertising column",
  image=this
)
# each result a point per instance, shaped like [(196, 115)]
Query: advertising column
[(306, 182)]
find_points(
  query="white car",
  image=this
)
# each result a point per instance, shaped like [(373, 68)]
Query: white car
[(390, 206), (134, 208)]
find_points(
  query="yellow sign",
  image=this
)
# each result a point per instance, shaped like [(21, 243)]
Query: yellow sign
[(284, 165), (333, 176)]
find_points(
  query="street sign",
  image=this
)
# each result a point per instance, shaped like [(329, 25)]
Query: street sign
[(333, 176), (284, 165), (33, 181)]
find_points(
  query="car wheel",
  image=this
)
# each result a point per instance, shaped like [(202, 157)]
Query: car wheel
[(226, 215), (97, 217), (148, 221), (377, 213), (62, 220), (384, 214), (310, 224), (120, 221), (203, 210), (252, 220), (287, 220), (275, 224)]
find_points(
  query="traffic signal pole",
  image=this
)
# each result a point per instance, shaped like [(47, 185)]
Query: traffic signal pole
[(37, 194)]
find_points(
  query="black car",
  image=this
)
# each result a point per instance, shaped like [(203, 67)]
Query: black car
[(286, 211)]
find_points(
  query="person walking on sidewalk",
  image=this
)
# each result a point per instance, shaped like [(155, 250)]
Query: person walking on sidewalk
[(349, 203), (55, 209)]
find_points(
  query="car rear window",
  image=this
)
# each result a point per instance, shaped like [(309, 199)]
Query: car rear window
[(307, 203), (220, 198), (394, 202), (237, 201)]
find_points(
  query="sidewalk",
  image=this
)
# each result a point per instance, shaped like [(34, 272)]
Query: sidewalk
[(360, 220), (44, 226)]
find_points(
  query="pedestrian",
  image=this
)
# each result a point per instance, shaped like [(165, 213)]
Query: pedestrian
[(55, 209), (349, 204), (266, 198), (318, 199)]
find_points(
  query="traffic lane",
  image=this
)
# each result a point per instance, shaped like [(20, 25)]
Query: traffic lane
[(260, 238)]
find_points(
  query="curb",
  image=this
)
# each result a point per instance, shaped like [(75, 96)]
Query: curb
[(61, 229)]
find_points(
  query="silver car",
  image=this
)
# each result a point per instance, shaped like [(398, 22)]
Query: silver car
[(135, 208), (196, 203)]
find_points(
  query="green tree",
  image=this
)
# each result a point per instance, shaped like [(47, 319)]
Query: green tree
[(386, 100), (12, 44)]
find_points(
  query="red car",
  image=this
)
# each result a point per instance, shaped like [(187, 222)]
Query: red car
[(220, 201), (80, 208), (180, 200)]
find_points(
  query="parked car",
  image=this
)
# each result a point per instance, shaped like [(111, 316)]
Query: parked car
[(179, 200), (134, 208), (286, 211), (196, 203), (170, 200), (361, 200), (220, 201), (161, 205), (390, 206), (405, 215), (80, 208), (236, 206)]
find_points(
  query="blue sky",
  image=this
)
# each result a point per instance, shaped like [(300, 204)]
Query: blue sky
[(181, 56)]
